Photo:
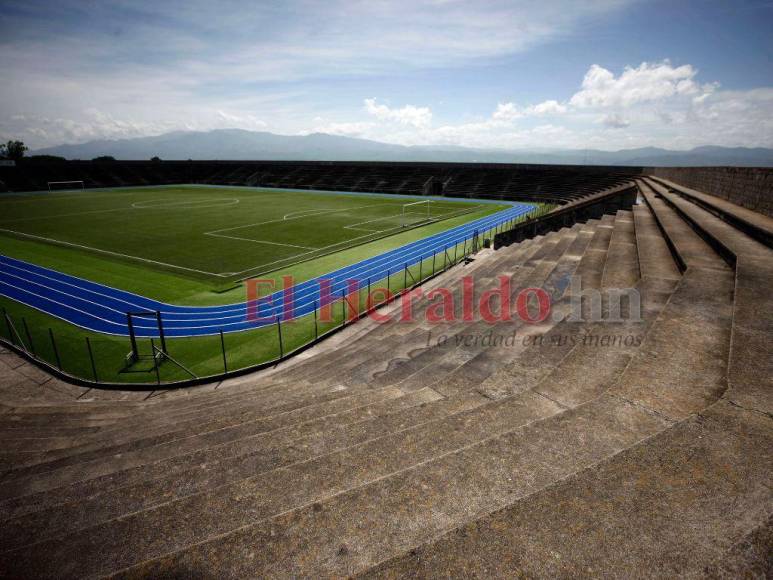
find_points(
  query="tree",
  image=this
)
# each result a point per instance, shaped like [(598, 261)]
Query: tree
[(155, 159), (13, 150), (46, 159)]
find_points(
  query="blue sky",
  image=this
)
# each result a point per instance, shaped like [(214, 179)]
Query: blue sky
[(606, 74)]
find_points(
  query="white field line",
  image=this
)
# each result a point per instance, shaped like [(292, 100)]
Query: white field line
[(63, 215), (108, 252), (371, 233), (354, 226), (417, 252), (60, 195), (368, 266), (49, 299), (285, 218), (303, 254), (306, 213), (260, 241), (169, 324), (221, 275), (170, 203)]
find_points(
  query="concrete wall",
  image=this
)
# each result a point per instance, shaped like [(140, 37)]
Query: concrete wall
[(749, 187)]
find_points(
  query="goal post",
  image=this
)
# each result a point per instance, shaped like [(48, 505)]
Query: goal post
[(421, 208), (65, 185)]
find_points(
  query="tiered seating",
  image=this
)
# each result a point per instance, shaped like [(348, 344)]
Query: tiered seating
[(386, 451), (553, 184)]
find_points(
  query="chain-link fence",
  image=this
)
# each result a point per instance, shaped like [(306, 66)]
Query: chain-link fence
[(94, 358)]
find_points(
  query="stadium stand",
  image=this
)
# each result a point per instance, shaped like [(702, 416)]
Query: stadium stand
[(385, 452), (555, 184)]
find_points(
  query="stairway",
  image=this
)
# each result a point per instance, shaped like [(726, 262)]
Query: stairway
[(614, 446)]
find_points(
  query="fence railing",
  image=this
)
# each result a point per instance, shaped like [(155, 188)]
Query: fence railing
[(551, 219), (93, 359)]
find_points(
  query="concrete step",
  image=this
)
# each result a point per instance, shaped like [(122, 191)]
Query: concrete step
[(450, 364), (750, 353), (281, 447), (689, 248), (477, 364), (682, 367), (690, 501), (78, 506), (750, 372), (754, 224), (655, 259), (621, 268), (225, 509), (726, 239), (349, 532), (108, 460), (226, 408), (33, 536), (316, 556)]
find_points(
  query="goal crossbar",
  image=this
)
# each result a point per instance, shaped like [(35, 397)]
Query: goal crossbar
[(407, 209), (56, 184)]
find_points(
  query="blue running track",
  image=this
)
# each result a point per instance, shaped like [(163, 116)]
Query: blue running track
[(102, 308)]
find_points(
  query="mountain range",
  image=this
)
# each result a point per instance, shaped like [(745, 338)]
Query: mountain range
[(238, 144)]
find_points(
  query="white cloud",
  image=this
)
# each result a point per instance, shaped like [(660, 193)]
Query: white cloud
[(615, 121), (419, 117), (246, 121), (645, 83), (353, 129), (551, 107), (647, 105), (507, 112), (511, 112)]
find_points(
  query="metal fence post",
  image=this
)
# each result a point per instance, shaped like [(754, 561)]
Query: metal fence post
[(343, 308), (279, 334), (405, 276), (434, 253), (132, 337), (91, 358), (316, 328), (29, 336), (56, 350), (155, 361), (8, 326), (161, 331), (388, 285), (421, 265), (222, 346)]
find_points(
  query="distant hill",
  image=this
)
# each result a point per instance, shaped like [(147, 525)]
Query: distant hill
[(239, 144)]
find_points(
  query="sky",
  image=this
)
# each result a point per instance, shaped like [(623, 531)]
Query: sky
[(553, 74)]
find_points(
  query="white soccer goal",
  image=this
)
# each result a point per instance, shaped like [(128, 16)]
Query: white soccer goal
[(414, 209), (65, 185)]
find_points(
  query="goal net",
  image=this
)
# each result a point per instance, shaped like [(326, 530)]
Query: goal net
[(416, 212), (65, 185)]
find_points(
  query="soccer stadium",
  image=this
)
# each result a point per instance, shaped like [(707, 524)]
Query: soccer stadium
[(238, 354)]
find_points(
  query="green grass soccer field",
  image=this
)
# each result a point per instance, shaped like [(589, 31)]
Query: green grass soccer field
[(179, 243), (215, 235)]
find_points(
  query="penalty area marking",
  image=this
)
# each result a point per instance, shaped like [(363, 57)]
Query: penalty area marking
[(172, 203), (260, 241), (287, 217), (109, 252)]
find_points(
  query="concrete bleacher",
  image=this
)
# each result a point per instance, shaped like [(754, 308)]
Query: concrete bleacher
[(385, 453), (548, 183)]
